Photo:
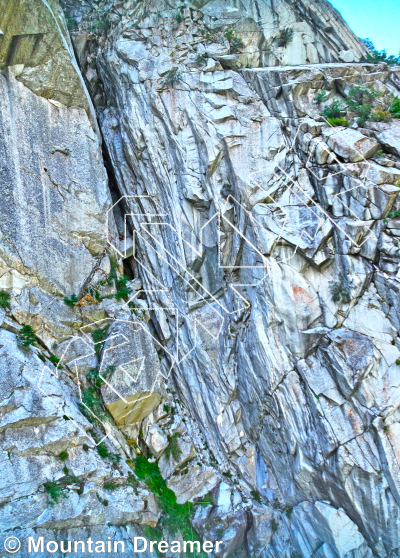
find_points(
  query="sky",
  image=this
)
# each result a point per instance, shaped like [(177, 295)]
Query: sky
[(376, 19)]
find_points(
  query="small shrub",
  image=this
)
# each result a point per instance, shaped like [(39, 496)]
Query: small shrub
[(54, 360), (359, 101), (394, 214), (112, 276), (377, 56), (379, 154), (5, 298), (274, 525), (63, 455), (227, 474), (55, 492), (398, 362), (334, 110), (123, 291), (166, 408), (179, 18), (110, 486), (71, 23), (256, 496), (102, 450), (386, 428), (65, 470), (285, 37), (337, 122), (173, 447), (92, 400), (394, 107), (172, 75), (98, 337), (26, 336), (71, 301), (380, 115), (321, 97), (340, 291)]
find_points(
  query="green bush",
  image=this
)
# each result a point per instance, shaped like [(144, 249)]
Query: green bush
[(26, 336), (337, 122), (63, 455), (321, 97), (110, 485), (285, 37), (54, 360), (176, 516), (172, 75), (173, 447), (377, 56), (5, 298), (71, 300), (334, 110), (123, 291), (359, 101), (55, 492), (98, 337), (394, 107), (179, 18), (380, 115), (340, 291), (256, 496)]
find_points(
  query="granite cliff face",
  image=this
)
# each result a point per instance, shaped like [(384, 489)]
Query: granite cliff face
[(234, 260)]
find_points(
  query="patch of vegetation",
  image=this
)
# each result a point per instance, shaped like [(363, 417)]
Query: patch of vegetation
[(54, 491), (65, 470), (173, 447), (235, 43), (110, 486), (335, 110), (256, 496), (113, 275), (228, 474), (71, 23), (394, 107), (123, 291), (26, 336), (340, 291), (379, 154), (394, 214), (166, 408), (274, 525), (54, 360), (338, 122), (103, 450), (94, 375), (5, 298), (285, 37), (179, 17), (386, 428), (176, 517), (63, 455), (359, 101), (380, 115), (98, 337), (375, 56), (171, 76), (71, 301), (101, 500), (201, 59), (321, 97), (93, 401), (101, 26)]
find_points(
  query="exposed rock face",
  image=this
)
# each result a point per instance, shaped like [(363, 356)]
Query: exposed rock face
[(253, 349)]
